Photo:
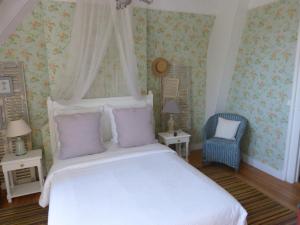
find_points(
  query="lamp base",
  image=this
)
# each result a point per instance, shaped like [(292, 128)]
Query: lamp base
[(171, 123), (20, 147)]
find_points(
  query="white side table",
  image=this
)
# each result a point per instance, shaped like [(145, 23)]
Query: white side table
[(11, 162), (181, 138)]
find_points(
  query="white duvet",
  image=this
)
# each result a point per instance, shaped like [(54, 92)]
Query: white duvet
[(149, 185)]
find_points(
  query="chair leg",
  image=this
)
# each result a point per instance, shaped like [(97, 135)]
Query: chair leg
[(237, 168)]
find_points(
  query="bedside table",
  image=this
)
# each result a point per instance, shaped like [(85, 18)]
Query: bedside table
[(11, 162), (181, 138)]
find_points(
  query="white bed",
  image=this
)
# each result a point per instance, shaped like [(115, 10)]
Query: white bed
[(147, 185)]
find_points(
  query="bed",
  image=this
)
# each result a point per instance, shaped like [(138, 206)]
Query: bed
[(145, 185)]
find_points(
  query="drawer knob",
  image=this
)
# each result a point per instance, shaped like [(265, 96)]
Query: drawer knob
[(22, 165)]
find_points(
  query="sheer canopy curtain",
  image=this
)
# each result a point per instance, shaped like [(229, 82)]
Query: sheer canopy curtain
[(101, 48)]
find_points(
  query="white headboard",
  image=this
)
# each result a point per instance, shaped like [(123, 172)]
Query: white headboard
[(86, 103)]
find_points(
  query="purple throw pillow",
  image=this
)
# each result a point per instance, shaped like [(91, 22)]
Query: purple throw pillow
[(79, 134), (134, 126)]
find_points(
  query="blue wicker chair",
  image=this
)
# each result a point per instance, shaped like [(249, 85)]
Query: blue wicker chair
[(222, 150)]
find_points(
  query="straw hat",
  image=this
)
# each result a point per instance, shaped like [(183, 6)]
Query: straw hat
[(160, 67)]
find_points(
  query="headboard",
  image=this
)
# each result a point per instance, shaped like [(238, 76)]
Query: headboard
[(54, 106)]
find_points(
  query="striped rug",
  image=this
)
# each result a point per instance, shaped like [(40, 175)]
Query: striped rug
[(25, 215), (261, 209)]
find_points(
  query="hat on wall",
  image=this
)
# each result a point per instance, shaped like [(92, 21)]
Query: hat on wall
[(160, 67)]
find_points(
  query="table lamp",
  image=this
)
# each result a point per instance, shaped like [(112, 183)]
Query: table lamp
[(17, 129), (171, 107)]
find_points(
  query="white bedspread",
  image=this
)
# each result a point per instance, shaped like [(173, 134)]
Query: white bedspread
[(149, 185)]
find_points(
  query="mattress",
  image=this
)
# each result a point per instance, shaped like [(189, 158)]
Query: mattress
[(148, 185)]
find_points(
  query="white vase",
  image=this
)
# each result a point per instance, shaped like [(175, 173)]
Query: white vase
[(20, 147)]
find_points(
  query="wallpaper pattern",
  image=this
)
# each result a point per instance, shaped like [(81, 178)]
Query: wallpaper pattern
[(261, 83), (27, 44), (40, 42), (182, 39), (58, 25), (263, 77), (41, 39)]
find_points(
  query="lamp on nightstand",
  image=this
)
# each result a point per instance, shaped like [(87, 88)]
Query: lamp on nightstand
[(171, 107), (17, 129)]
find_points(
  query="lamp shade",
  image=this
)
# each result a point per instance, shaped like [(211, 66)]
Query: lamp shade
[(171, 106), (17, 128)]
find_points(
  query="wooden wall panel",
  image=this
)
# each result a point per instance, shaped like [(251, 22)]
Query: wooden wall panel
[(184, 99), (14, 107)]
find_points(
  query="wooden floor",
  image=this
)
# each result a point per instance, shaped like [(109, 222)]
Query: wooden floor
[(283, 192), (286, 194)]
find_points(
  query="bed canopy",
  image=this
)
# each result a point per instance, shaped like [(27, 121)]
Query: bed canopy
[(98, 28), (101, 39)]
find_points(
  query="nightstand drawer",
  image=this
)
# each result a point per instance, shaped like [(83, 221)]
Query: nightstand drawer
[(20, 165), (176, 140)]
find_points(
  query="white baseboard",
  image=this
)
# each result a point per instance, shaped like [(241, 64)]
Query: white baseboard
[(195, 146), (263, 167)]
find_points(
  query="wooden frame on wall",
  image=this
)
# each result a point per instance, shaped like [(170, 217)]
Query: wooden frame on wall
[(6, 86)]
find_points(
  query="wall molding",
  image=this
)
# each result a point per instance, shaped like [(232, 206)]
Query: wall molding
[(263, 167)]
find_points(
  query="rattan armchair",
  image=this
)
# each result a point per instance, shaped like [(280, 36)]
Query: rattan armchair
[(223, 150)]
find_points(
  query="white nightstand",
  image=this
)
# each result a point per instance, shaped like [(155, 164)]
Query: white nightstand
[(11, 162), (181, 138)]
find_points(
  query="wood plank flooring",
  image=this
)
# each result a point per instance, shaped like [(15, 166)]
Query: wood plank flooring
[(283, 192), (286, 194)]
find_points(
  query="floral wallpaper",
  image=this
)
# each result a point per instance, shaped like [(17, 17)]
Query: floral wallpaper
[(27, 44), (58, 25), (40, 42), (262, 82), (181, 38), (175, 36), (261, 85)]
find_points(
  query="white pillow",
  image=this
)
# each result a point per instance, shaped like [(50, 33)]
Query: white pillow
[(108, 111), (227, 128)]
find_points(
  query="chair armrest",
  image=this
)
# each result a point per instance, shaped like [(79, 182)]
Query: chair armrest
[(206, 132), (208, 129), (204, 136), (240, 133)]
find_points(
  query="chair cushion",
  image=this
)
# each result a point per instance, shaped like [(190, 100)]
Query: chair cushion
[(227, 128)]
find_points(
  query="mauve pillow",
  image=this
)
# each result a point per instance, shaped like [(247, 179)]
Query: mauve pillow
[(79, 134), (134, 126)]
